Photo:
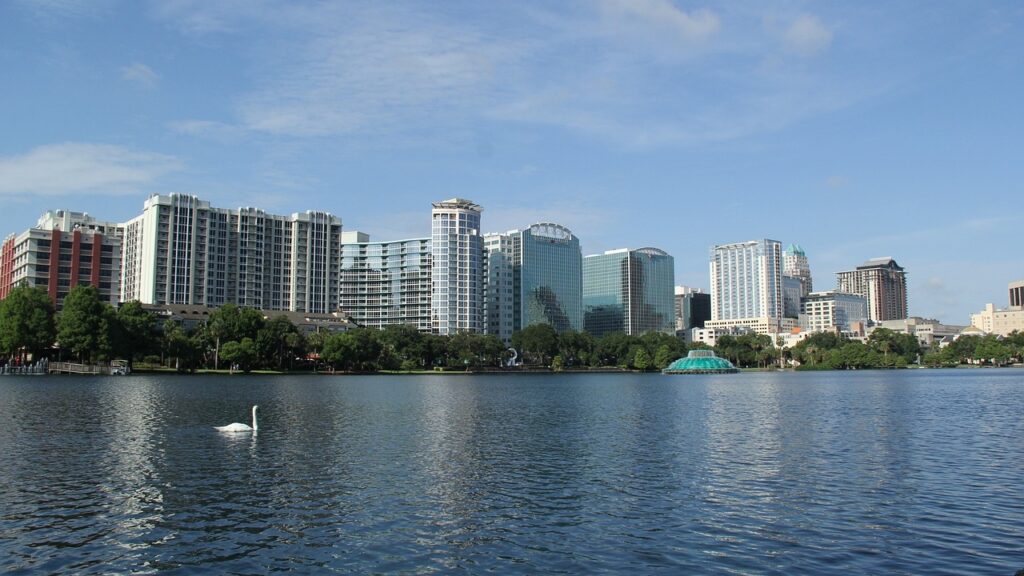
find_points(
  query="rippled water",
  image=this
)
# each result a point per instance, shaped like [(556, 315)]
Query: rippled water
[(915, 472)]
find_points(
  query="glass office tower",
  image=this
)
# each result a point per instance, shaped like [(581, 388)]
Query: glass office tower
[(534, 276), (630, 291)]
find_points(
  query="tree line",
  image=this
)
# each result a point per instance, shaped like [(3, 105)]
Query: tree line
[(91, 330)]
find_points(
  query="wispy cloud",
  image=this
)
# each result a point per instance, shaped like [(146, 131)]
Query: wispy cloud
[(807, 35), (638, 73), (140, 74), (75, 167), (65, 8)]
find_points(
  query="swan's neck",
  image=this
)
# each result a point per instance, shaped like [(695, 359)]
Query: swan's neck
[(254, 427)]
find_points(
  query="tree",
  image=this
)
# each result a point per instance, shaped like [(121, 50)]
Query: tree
[(538, 343), (575, 348), (664, 356), (243, 354), (230, 322), (181, 346), (136, 330), (83, 325), (278, 342), (26, 322), (641, 359)]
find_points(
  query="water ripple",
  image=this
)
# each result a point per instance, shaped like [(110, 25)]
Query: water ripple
[(888, 472)]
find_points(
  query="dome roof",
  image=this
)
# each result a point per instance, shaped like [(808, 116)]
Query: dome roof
[(701, 362)]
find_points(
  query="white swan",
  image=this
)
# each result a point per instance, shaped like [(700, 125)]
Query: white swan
[(236, 427)]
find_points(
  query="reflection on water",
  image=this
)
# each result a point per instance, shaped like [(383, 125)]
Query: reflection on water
[(872, 472)]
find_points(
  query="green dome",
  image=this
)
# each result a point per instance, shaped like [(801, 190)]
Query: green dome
[(700, 362)]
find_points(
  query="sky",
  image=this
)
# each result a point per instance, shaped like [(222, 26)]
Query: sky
[(854, 129)]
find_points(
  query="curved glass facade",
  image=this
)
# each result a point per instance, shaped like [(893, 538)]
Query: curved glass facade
[(534, 276)]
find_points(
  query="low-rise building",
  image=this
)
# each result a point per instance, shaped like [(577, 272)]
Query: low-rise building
[(999, 321), (65, 249), (831, 310), (929, 332)]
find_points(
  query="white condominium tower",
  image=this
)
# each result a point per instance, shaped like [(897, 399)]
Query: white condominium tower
[(746, 286), (383, 283), (457, 268), (180, 250)]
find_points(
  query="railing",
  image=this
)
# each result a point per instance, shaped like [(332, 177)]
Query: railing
[(75, 368)]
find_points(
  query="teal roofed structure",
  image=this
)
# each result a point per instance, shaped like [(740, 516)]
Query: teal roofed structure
[(701, 362), (796, 250)]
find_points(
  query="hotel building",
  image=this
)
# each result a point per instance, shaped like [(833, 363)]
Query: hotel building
[(747, 287), (180, 250), (64, 249), (883, 283), (457, 267), (630, 291), (534, 276), (383, 283)]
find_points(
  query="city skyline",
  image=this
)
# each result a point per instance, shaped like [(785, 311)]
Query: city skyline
[(856, 132)]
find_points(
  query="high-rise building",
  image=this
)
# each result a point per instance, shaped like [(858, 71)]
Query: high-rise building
[(65, 249), (1017, 293), (794, 263), (534, 276), (832, 311), (457, 267), (747, 287), (180, 250), (630, 291), (883, 283), (693, 309), (382, 283)]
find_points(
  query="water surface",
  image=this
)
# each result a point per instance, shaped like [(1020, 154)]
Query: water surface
[(912, 472)]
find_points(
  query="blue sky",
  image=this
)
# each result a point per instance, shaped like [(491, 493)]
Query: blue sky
[(858, 129)]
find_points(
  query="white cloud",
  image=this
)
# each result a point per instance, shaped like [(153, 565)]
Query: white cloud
[(637, 73), (661, 18), (807, 35), (74, 167), (377, 74), (140, 74)]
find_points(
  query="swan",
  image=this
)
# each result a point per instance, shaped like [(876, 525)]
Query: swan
[(237, 427)]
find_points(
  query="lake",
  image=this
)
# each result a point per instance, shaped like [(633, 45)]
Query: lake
[(872, 472)]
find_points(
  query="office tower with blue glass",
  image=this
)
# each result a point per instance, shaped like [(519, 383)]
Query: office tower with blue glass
[(534, 276), (629, 291)]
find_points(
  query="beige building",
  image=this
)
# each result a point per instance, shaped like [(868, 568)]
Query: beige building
[(1001, 322), (928, 331)]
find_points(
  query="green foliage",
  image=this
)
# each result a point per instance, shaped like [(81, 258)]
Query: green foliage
[(747, 350), (537, 343), (26, 322), (575, 348), (136, 332), (84, 325), (278, 342), (242, 354), (641, 359), (183, 348)]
